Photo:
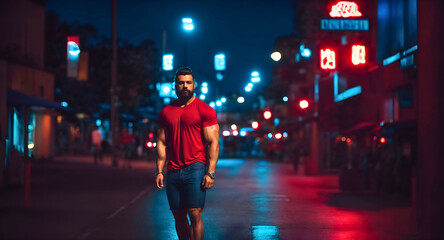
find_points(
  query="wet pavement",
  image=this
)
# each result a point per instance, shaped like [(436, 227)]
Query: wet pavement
[(252, 199)]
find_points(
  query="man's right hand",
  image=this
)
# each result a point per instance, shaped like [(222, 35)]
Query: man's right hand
[(159, 180)]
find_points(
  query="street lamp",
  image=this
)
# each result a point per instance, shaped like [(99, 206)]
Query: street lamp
[(188, 26), (276, 56)]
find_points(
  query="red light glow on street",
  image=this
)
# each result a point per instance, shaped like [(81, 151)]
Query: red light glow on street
[(255, 124)]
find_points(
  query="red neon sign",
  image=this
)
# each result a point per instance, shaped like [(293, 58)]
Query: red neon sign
[(358, 54), (345, 9), (328, 59)]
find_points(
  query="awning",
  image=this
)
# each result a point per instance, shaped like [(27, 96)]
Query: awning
[(16, 99), (360, 128)]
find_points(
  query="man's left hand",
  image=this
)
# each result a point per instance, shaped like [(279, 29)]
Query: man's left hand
[(207, 182)]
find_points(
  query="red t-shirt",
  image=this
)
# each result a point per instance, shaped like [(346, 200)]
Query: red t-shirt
[(183, 132)]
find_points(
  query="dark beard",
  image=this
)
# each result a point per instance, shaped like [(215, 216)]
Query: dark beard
[(185, 95)]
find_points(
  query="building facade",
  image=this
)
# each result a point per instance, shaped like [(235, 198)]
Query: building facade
[(27, 90)]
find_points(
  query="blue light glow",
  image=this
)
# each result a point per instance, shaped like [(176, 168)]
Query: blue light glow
[(265, 232), (285, 134), (345, 94), (255, 79), (391, 59), (255, 74), (410, 50), (212, 104), (204, 90), (223, 99), (188, 24), (98, 122), (285, 99), (218, 103), (204, 84), (248, 89), (219, 62), (167, 62), (202, 97), (250, 85), (276, 122), (73, 49), (270, 135), (64, 104)]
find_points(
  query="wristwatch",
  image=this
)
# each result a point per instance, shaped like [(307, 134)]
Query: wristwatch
[(212, 175)]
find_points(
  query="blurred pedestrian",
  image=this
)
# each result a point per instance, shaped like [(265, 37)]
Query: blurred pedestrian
[(127, 140), (96, 140), (189, 136)]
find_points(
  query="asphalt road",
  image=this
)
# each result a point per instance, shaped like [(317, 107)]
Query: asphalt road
[(252, 199)]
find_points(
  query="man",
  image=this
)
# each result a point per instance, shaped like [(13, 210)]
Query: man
[(188, 135)]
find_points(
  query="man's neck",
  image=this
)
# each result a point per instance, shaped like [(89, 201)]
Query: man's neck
[(184, 102)]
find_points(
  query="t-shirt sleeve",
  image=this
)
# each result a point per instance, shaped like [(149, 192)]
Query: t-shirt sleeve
[(209, 117)]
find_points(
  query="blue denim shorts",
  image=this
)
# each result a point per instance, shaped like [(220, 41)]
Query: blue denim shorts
[(184, 187)]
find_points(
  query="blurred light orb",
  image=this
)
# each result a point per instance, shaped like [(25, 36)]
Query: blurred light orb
[(255, 79), (285, 99), (188, 24), (202, 97), (223, 99), (218, 103), (233, 127), (204, 90), (255, 74), (212, 104), (240, 99), (226, 133), (276, 56)]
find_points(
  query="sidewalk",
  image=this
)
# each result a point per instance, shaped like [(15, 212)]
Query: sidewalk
[(107, 161)]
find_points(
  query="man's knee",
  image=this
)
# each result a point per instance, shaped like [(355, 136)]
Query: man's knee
[(195, 214), (180, 214)]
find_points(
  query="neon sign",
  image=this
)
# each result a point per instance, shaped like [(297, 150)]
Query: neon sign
[(328, 59), (358, 54), (345, 9)]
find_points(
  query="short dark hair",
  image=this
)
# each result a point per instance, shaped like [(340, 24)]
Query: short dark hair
[(184, 71)]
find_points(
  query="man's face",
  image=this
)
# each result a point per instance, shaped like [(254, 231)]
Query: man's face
[(185, 86)]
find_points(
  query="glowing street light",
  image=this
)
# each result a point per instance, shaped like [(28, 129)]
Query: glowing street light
[(188, 24), (276, 56)]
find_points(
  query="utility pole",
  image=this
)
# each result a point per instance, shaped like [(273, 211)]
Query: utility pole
[(114, 88)]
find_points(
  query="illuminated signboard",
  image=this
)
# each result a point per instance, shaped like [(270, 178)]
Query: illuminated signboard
[(168, 62), (345, 9), (358, 54), (340, 12), (328, 59), (72, 55), (219, 62), (345, 24), (345, 94)]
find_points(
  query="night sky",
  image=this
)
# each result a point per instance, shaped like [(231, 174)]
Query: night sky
[(244, 30)]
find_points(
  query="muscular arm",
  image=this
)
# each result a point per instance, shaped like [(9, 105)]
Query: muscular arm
[(161, 156), (211, 135)]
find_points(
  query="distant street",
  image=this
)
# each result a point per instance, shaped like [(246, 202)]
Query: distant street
[(252, 199)]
